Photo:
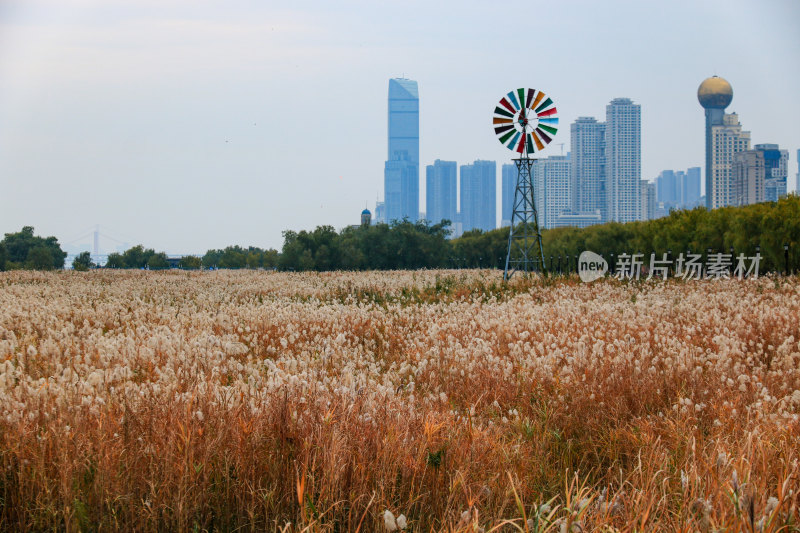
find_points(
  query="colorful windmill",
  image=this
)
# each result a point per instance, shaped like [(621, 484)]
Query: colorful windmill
[(525, 121)]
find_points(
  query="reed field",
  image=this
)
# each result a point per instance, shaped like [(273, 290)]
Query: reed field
[(386, 401)]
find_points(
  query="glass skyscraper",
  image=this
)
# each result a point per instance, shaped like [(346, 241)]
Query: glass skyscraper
[(478, 196), (691, 187), (401, 172), (776, 171), (668, 189), (440, 191), (678, 189)]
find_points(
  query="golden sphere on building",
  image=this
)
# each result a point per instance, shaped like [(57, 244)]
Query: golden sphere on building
[(715, 92)]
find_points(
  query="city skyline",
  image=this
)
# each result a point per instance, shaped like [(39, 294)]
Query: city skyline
[(188, 126)]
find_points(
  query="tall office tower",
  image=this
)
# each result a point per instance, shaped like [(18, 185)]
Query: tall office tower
[(508, 186), (680, 183), (648, 199), (588, 179), (668, 190), (440, 191), (759, 175), (724, 137), (747, 178), (691, 187), (623, 160), (678, 189), (797, 178), (478, 196), (776, 171), (380, 213), (401, 172), (551, 182)]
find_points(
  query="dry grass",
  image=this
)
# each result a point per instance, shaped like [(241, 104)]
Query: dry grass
[(315, 402)]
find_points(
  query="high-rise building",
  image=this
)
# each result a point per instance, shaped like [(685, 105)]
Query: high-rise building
[(747, 178), (588, 167), (440, 191), (648, 199), (401, 189), (623, 160), (724, 138), (668, 188), (678, 189), (680, 183), (727, 140), (776, 171), (478, 196), (759, 175), (690, 189), (508, 186), (401, 172), (380, 213), (551, 183), (797, 178)]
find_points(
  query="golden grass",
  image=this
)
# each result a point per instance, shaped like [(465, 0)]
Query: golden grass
[(254, 401)]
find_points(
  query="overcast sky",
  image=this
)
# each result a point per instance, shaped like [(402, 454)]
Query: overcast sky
[(189, 125)]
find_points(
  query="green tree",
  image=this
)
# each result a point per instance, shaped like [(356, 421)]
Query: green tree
[(190, 262), (211, 258), (39, 258), (157, 261), (26, 250), (115, 260), (233, 257), (136, 256), (83, 262)]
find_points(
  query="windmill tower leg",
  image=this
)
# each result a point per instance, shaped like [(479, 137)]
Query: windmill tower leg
[(525, 251)]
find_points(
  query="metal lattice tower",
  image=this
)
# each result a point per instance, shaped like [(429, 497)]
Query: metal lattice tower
[(525, 121), (525, 251)]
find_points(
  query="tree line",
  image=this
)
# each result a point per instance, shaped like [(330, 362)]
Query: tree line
[(767, 227)]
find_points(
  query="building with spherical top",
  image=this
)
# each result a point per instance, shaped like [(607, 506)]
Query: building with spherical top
[(366, 217), (724, 138), (715, 93)]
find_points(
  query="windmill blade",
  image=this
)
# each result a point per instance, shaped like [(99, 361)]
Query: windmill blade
[(524, 131)]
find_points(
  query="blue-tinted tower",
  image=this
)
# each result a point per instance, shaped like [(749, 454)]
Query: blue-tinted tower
[(691, 187), (440, 191), (401, 172), (507, 187), (478, 196), (776, 163)]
